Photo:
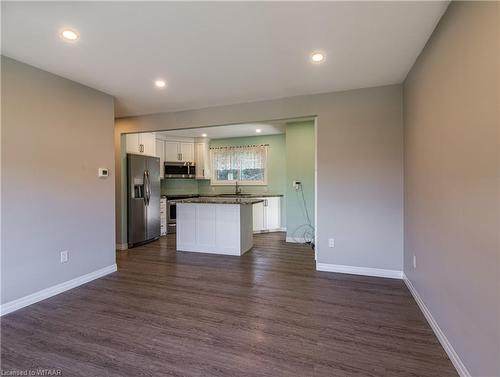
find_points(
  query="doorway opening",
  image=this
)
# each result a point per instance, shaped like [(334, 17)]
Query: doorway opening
[(273, 160)]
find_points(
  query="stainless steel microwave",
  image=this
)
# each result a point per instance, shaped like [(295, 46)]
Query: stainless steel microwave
[(180, 170)]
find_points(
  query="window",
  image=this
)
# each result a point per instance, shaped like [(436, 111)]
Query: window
[(246, 165)]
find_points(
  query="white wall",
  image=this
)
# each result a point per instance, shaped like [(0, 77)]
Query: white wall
[(452, 171), (360, 160), (55, 135)]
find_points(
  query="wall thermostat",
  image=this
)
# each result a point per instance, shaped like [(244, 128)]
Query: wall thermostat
[(103, 173)]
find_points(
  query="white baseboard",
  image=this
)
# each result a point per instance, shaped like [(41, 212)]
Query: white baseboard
[(54, 290), (452, 354), (121, 246), (366, 271), (295, 239)]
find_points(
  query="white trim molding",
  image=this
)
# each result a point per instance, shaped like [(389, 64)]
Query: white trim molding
[(14, 305), (452, 354), (366, 271), (121, 246)]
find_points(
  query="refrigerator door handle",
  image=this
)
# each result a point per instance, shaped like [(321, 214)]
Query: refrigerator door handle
[(149, 188), (145, 185)]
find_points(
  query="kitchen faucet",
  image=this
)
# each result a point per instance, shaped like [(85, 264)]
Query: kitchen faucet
[(237, 189)]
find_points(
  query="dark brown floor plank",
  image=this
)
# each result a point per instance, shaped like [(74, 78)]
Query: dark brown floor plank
[(267, 313)]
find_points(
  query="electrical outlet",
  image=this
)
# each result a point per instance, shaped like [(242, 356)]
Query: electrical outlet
[(331, 242), (64, 256), (414, 261), (296, 185)]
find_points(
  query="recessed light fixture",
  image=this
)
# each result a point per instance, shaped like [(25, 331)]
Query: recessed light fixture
[(203, 135), (160, 83), (317, 57), (69, 35), (258, 130)]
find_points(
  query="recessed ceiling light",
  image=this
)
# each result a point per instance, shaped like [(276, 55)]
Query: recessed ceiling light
[(203, 135), (258, 130), (317, 57), (69, 35), (160, 83)]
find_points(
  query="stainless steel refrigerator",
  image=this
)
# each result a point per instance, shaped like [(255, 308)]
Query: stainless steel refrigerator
[(143, 199)]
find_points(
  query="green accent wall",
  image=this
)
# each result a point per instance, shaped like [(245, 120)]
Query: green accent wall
[(276, 165), (299, 167)]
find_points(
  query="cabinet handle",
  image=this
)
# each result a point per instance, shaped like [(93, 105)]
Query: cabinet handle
[(181, 156), (265, 203), (203, 172)]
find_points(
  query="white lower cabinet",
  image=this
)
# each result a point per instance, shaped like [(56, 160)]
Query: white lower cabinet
[(267, 215), (273, 213), (163, 216), (258, 217), (214, 228)]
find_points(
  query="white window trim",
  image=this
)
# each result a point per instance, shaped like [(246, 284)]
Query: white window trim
[(214, 182)]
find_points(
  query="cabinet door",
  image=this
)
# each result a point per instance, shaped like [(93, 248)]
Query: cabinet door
[(148, 141), (171, 151), (273, 213), (132, 143), (187, 152), (160, 152), (199, 159), (202, 161), (258, 217)]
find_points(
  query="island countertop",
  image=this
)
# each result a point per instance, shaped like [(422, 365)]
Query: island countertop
[(219, 200)]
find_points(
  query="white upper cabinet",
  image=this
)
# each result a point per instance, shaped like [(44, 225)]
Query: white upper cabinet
[(172, 151), (202, 160), (179, 151), (160, 152), (144, 143), (149, 141), (133, 144), (187, 152)]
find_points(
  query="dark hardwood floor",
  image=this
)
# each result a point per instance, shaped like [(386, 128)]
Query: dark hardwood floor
[(267, 313)]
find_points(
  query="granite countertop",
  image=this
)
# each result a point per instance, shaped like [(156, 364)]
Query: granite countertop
[(173, 196), (223, 196), (242, 195), (217, 200)]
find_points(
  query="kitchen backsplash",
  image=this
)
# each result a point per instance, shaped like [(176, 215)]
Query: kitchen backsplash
[(179, 186)]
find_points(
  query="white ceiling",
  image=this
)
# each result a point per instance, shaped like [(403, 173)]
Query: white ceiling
[(235, 130), (215, 53)]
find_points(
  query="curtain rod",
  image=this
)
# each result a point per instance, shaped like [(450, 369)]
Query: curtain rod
[(241, 146)]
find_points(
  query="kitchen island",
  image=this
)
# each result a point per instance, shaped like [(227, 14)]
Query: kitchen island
[(215, 225)]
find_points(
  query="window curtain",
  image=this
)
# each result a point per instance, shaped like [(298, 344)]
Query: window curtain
[(239, 163)]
